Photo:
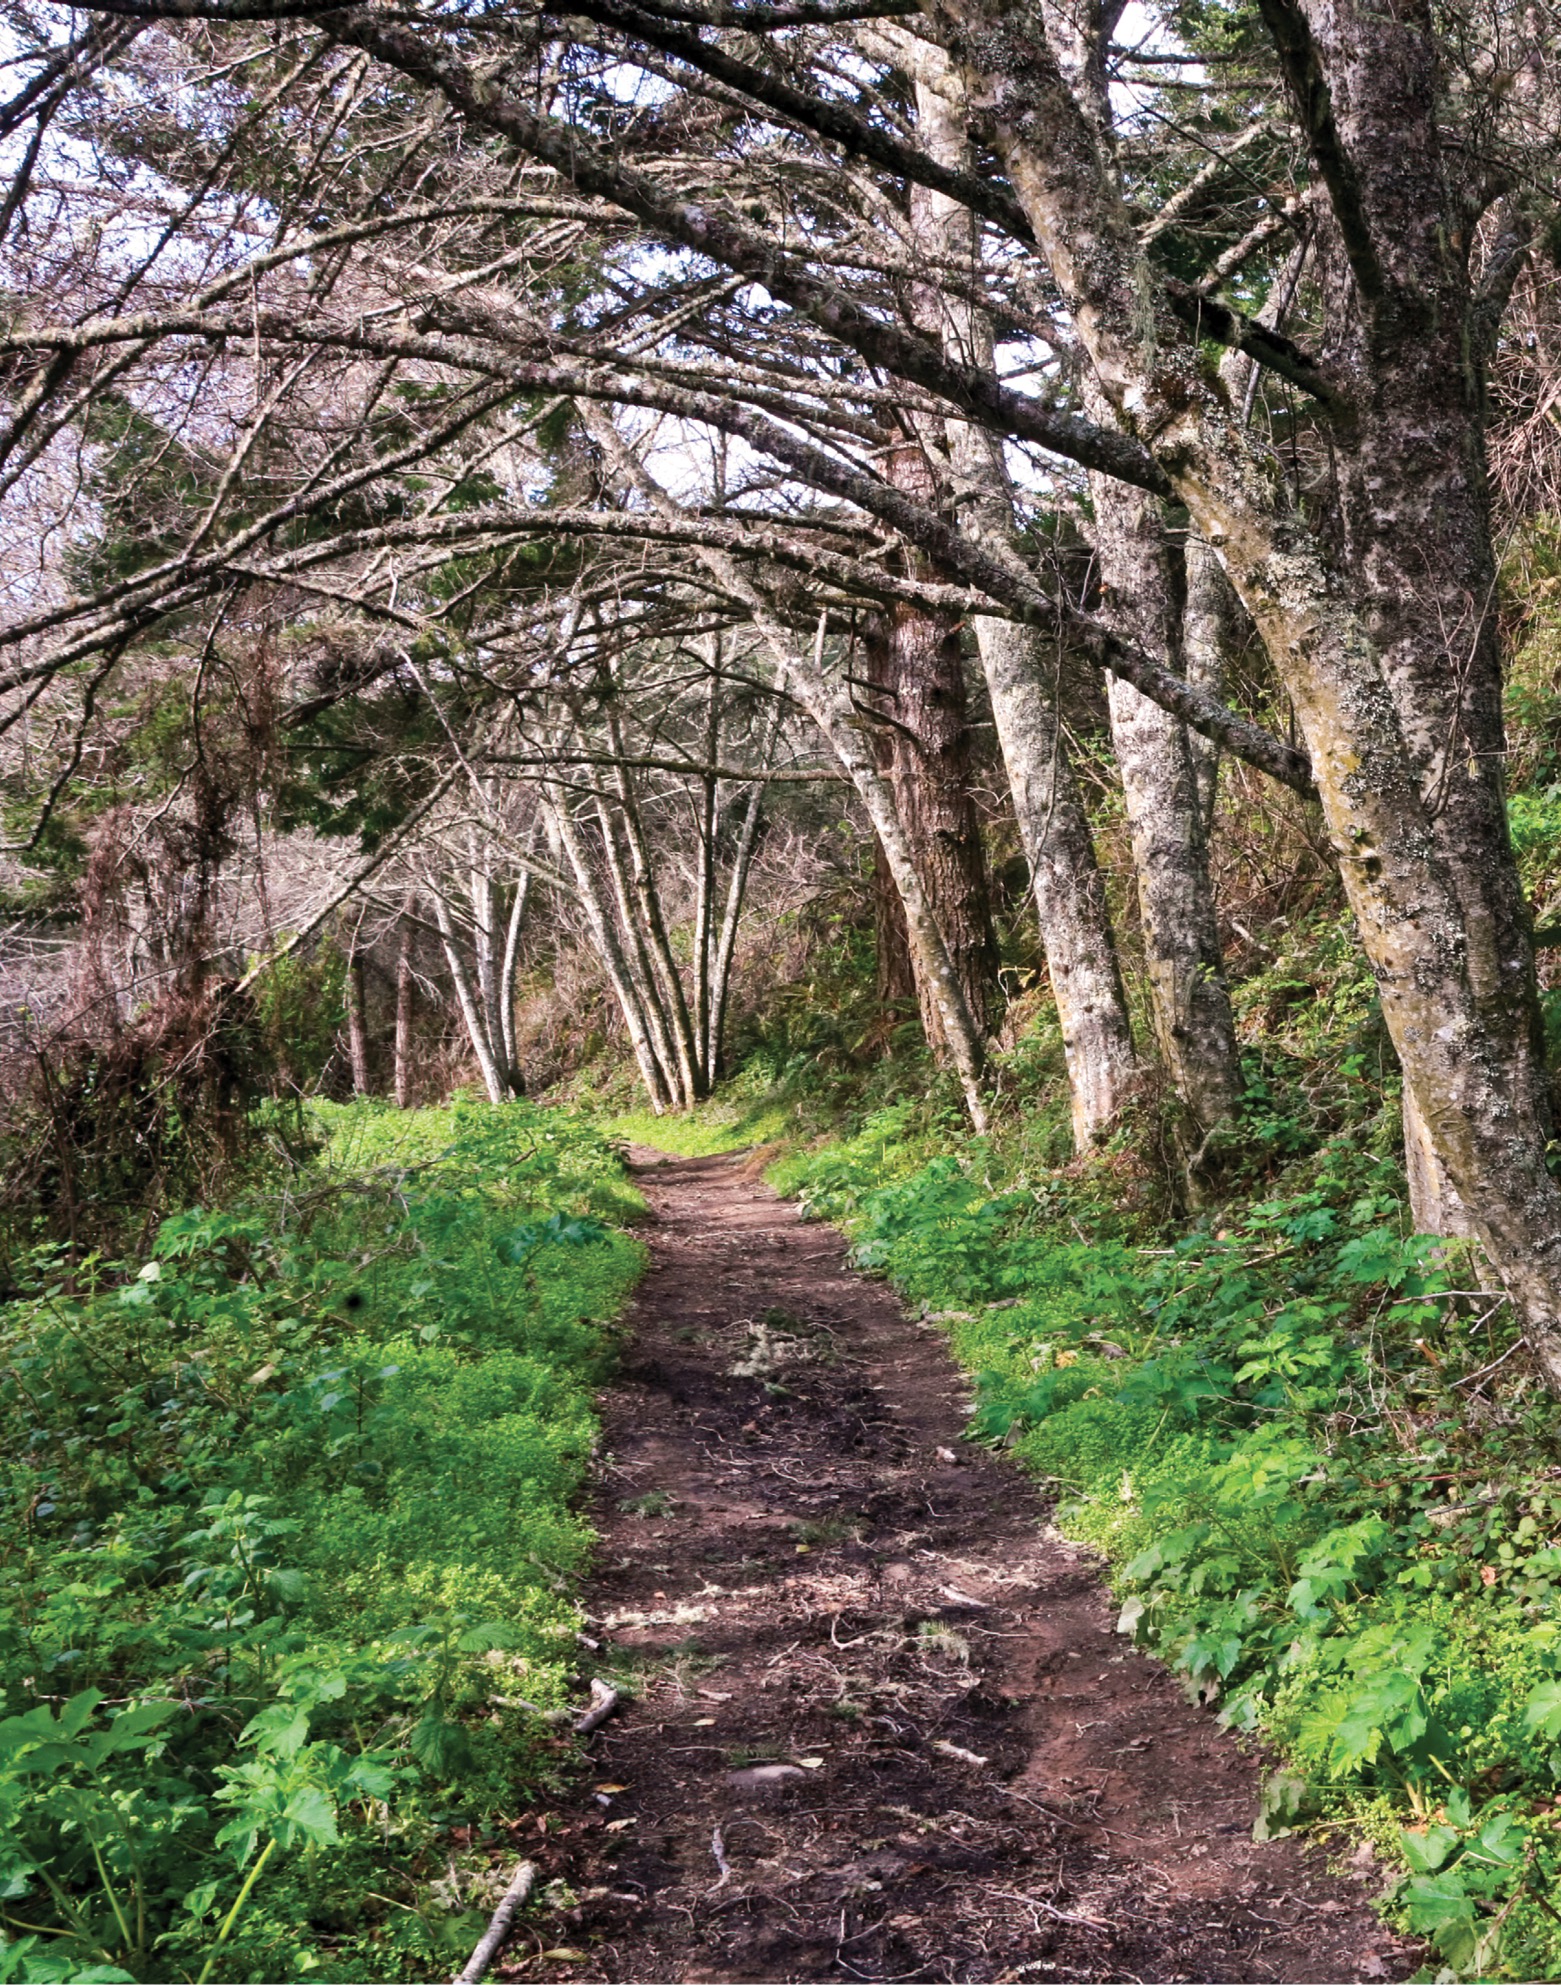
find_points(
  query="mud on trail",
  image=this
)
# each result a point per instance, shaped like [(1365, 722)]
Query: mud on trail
[(883, 1728)]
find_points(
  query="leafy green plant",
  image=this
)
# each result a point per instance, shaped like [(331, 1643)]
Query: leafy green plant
[(295, 1547)]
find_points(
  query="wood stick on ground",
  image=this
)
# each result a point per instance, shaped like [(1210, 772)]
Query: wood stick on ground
[(499, 1928), (604, 1700), (718, 1849)]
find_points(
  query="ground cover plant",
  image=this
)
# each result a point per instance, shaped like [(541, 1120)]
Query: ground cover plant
[(285, 1592), (1052, 687), (1324, 1498)]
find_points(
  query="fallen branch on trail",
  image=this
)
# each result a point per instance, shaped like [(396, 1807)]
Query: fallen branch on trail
[(718, 1849), (499, 1928), (958, 1751), (604, 1701)]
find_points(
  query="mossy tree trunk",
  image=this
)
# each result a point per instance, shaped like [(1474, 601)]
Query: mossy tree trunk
[(1399, 714), (914, 686)]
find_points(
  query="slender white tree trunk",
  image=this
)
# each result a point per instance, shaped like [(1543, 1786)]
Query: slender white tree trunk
[(736, 892), (467, 999), (708, 816), (485, 945), (404, 990), (508, 968), (357, 1024), (647, 898), (669, 1046), (658, 1082)]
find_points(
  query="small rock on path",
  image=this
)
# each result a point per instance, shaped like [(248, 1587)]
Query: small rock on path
[(884, 1729)]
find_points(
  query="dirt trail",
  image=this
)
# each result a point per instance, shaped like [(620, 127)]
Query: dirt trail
[(885, 1730)]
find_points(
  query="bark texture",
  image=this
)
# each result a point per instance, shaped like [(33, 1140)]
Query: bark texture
[(1020, 673), (920, 699), (1410, 522), (1434, 1205), (894, 981), (1441, 923), (1209, 640), (1166, 814), (1070, 892), (1167, 821)]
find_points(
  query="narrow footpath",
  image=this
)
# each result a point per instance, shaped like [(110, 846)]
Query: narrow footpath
[(883, 1727)]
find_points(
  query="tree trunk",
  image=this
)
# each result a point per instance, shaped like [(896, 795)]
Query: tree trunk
[(1167, 815), (357, 1024), (1070, 896), (653, 921), (508, 967), (736, 893), (485, 949), (706, 821), (894, 976), (1208, 640), (1412, 527), (466, 999), (671, 1048), (1434, 1205), (1070, 892), (656, 1077), (1411, 810), (1188, 999), (923, 708), (894, 981), (404, 996), (493, 957)]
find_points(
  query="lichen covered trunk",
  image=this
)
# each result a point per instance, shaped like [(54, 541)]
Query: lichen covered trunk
[(921, 702), (1070, 894), (1021, 675), (1427, 868), (1209, 638), (1167, 823)]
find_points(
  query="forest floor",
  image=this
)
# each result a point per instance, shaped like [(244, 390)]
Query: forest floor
[(882, 1726)]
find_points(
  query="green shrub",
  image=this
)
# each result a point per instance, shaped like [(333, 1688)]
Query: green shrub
[(291, 1547)]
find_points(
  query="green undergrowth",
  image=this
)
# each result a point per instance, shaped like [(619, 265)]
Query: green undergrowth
[(706, 1135), (1329, 1496), (779, 1103), (286, 1586)]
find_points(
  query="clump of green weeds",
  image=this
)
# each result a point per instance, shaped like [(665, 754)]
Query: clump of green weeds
[(285, 1595)]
